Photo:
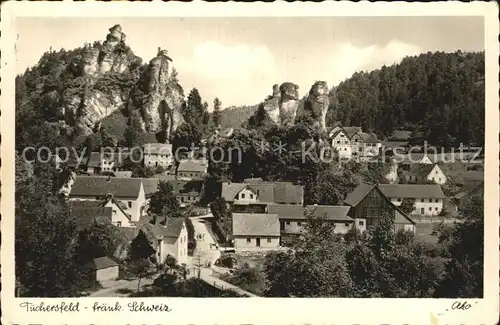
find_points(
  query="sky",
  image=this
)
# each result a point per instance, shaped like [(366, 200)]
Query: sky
[(239, 59)]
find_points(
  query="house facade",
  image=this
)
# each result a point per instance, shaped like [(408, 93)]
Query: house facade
[(256, 231), (352, 143), (158, 155), (106, 162), (128, 192), (428, 199), (191, 169), (421, 173), (293, 218), (171, 239), (103, 269), (187, 192), (342, 143), (368, 202)]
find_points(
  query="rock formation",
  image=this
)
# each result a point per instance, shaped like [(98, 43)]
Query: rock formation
[(279, 108), (316, 105), (289, 102), (158, 97)]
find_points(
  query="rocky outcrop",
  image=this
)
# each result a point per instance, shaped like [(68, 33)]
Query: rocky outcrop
[(279, 108), (289, 102), (316, 105), (158, 97), (111, 56)]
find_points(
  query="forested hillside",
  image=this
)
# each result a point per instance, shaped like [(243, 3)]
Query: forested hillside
[(437, 95)]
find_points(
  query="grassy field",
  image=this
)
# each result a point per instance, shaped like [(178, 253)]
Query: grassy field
[(423, 232)]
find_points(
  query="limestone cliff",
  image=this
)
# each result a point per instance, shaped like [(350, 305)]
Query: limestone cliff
[(158, 97), (79, 88), (289, 102), (280, 108), (317, 102)]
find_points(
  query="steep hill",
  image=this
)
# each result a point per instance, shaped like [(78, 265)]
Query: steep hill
[(75, 90)]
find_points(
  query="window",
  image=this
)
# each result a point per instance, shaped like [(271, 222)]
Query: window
[(288, 223), (338, 142), (114, 211), (430, 209), (437, 200), (249, 240), (130, 204), (346, 224), (436, 172), (361, 223), (242, 195), (345, 149), (299, 223), (399, 199), (421, 200), (269, 240), (436, 208), (251, 196), (189, 198), (346, 142), (119, 223)]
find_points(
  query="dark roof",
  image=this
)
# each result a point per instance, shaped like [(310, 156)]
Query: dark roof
[(150, 185), (290, 211), (186, 187), (86, 212), (287, 192), (266, 192), (421, 169), (102, 263), (192, 165), (411, 191), (401, 135), (229, 190), (255, 224), (171, 229), (351, 130), (103, 185), (119, 158), (358, 194)]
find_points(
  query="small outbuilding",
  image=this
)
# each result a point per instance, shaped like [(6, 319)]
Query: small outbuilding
[(104, 269)]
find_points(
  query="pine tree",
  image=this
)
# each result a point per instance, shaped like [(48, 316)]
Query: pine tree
[(216, 114)]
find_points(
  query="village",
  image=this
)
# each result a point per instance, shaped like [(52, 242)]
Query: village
[(265, 216)]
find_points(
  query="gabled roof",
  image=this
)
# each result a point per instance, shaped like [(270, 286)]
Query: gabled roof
[(282, 192), (291, 211), (421, 169), (229, 190), (265, 191), (150, 185), (86, 212), (191, 165), (158, 148), (255, 224), (172, 228), (104, 185), (358, 194), (123, 174), (102, 263), (351, 130), (412, 191)]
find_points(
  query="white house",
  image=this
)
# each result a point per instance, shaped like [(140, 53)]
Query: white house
[(106, 162), (428, 199), (256, 231), (421, 173), (171, 239), (129, 192), (158, 155), (342, 143)]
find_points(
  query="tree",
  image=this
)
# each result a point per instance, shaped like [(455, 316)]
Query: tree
[(186, 136), (46, 263), (140, 268), (407, 206), (464, 269), (216, 114), (164, 203), (193, 113), (97, 240)]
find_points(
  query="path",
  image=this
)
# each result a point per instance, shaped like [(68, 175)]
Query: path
[(205, 251), (113, 288)]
